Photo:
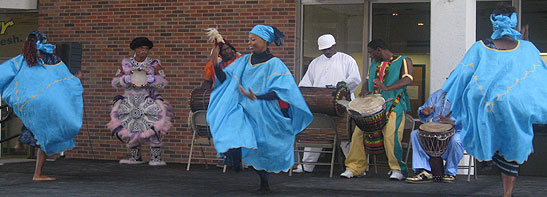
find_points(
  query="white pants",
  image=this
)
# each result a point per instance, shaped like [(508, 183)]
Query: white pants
[(314, 156)]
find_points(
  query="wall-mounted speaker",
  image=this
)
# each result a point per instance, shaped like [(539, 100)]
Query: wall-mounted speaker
[(71, 54)]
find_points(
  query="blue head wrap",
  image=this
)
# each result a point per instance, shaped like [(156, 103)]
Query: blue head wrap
[(268, 33), (504, 26), (41, 40), (47, 56), (46, 48)]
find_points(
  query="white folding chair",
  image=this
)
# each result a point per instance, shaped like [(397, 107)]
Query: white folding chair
[(410, 124), (471, 166), (317, 140), (201, 131)]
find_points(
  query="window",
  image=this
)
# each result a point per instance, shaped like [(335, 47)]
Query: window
[(343, 21), (404, 26), (534, 14), (406, 29)]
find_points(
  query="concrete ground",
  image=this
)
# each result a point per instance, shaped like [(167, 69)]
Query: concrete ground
[(79, 177)]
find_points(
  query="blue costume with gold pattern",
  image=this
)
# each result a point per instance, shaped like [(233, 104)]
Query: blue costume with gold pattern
[(47, 98), (496, 95)]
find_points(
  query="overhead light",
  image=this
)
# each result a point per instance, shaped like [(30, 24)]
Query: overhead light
[(420, 24), (395, 14)]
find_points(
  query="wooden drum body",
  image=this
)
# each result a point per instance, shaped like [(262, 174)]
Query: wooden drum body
[(319, 100), (434, 139), (199, 99), (325, 100)]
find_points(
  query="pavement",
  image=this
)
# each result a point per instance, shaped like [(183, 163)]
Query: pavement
[(82, 177)]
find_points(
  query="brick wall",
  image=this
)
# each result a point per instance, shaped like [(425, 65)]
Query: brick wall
[(105, 29)]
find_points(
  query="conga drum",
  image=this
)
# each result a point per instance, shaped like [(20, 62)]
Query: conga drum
[(369, 114), (434, 138), (325, 100), (199, 99)]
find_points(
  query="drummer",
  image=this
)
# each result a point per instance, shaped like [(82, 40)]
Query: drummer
[(436, 109), (330, 68), (227, 52), (388, 75)]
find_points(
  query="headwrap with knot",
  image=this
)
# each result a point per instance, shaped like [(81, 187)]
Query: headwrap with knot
[(504, 26), (36, 51), (41, 40), (268, 33)]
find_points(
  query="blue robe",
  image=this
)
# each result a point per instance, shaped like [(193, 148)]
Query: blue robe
[(258, 127), (496, 95), (47, 98)]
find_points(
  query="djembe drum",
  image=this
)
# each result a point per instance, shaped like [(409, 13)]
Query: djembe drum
[(199, 99), (369, 114), (325, 100), (434, 138)]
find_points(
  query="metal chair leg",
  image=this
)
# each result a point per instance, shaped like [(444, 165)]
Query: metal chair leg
[(332, 159), (408, 151), (475, 168), (375, 165), (205, 160), (469, 168), (191, 150)]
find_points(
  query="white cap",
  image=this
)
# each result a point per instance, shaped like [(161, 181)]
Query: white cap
[(325, 41)]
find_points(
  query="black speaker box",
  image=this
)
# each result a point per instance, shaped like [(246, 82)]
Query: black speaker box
[(71, 54)]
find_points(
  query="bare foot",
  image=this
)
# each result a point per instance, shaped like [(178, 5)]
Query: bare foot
[(19, 146), (43, 178)]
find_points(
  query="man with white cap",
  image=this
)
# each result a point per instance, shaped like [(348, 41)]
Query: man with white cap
[(329, 69)]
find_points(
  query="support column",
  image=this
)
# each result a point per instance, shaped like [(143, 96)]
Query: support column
[(453, 31)]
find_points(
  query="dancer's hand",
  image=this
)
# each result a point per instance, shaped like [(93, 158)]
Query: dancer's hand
[(428, 110), (249, 94)]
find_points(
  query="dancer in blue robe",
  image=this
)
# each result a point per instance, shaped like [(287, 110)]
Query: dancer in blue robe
[(45, 96), (497, 92), (258, 126)]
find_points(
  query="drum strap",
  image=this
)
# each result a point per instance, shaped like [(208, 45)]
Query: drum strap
[(394, 104), (442, 103)]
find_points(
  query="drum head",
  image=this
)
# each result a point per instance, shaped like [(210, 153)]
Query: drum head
[(435, 127), (138, 78), (367, 105)]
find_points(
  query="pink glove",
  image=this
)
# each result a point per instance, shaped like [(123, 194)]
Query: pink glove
[(127, 79), (150, 78)]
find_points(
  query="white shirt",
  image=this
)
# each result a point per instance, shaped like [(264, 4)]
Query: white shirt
[(329, 71)]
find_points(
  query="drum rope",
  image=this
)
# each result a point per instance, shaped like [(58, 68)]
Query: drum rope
[(203, 104), (393, 105)]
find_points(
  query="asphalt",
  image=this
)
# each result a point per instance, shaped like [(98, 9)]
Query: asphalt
[(80, 177)]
